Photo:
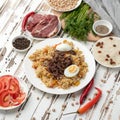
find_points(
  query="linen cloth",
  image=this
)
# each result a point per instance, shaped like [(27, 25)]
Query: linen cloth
[(108, 10)]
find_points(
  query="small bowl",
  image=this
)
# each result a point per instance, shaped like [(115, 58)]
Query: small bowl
[(21, 46), (105, 27)]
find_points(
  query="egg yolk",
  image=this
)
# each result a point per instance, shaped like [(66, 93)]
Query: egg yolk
[(72, 69)]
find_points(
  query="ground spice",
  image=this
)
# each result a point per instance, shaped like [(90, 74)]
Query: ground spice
[(102, 29), (21, 43)]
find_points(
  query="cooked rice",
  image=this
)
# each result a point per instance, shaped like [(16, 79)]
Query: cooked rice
[(40, 58)]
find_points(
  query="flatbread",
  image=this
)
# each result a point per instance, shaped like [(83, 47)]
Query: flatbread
[(106, 51)]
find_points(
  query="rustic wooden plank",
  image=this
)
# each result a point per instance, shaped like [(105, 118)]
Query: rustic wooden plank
[(3, 5)]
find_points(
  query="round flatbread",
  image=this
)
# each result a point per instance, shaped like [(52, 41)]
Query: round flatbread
[(106, 51)]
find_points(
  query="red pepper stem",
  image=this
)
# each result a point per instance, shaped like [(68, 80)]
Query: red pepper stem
[(87, 106), (86, 91), (25, 20)]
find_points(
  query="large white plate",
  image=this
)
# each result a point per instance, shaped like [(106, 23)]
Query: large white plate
[(30, 72), (27, 33), (78, 3)]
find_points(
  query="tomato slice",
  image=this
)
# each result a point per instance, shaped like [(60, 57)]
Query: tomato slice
[(9, 82), (15, 80), (19, 99), (5, 99), (14, 87), (5, 80), (1, 87)]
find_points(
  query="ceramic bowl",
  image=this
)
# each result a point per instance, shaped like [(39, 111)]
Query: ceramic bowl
[(102, 32), (21, 43)]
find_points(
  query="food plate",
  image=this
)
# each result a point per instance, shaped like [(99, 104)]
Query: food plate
[(27, 33), (62, 10), (30, 72), (106, 51), (24, 88)]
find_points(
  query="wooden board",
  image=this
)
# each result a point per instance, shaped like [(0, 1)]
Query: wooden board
[(91, 37)]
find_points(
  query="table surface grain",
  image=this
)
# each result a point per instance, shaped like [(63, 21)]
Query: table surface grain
[(41, 105)]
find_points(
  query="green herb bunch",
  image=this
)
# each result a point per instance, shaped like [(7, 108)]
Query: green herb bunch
[(78, 23)]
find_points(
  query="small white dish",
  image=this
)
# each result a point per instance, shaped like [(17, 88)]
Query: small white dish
[(105, 27), (21, 44)]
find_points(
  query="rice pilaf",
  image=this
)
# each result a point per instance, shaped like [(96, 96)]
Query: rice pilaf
[(41, 61)]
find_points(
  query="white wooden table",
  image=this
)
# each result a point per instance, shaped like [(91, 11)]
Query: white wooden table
[(44, 106)]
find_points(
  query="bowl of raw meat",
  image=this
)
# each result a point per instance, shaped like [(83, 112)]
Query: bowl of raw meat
[(40, 26)]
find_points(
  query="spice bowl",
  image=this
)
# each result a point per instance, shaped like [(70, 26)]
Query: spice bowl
[(102, 27), (21, 43)]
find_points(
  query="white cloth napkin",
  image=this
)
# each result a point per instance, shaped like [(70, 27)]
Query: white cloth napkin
[(108, 10)]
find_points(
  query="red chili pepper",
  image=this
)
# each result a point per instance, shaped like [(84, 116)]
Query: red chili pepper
[(85, 91), (87, 106), (25, 20)]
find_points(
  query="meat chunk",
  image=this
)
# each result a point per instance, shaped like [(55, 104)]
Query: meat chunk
[(42, 26), (33, 21)]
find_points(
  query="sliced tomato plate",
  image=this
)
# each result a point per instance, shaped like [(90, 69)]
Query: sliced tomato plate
[(13, 92)]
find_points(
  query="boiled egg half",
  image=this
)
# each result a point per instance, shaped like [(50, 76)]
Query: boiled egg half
[(71, 71), (63, 47)]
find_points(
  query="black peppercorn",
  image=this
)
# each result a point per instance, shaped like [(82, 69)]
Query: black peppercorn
[(21, 43)]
